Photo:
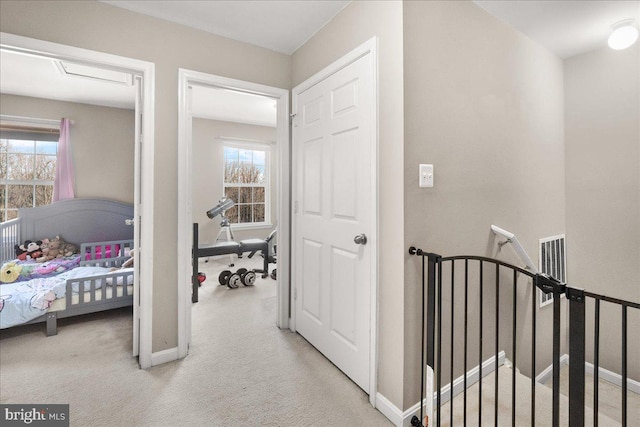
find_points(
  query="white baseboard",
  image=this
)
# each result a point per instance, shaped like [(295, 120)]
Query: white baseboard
[(164, 356), (389, 410), (473, 375), (546, 375), (613, 378), (604, 374)]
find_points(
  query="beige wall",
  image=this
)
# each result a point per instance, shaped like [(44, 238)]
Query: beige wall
[(102, 141), (98, 26), (484, 105), (602, 119), (357, 23), (208, 157)]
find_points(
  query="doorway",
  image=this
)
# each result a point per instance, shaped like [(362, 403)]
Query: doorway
[(334, 191), (142, 73), (218, 86)]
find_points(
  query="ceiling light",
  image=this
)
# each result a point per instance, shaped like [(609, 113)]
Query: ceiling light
[(623, 34)]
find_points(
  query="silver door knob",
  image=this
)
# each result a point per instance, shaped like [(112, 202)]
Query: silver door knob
[(129, 221), (360, 239)]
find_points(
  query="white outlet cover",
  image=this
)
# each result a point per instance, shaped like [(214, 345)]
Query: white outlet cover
[(426, 176)]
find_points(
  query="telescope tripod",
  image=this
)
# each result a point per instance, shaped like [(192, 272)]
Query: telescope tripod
[(226, 235)]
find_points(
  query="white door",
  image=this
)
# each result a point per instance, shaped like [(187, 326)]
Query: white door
[(334, 145), (137, 173)]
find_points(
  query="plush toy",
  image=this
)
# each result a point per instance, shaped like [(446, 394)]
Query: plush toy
[(128, 263), (44, 248), (54, 249), (66, 249), (10, 272), (50, 250), (21, 252), (33, 250)]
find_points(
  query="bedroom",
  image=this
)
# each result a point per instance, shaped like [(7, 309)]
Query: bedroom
[(235, 165), (39, 91)]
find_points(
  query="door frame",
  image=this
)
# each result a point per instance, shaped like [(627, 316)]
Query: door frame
[(185, 217), (146, 70), (370, 47)]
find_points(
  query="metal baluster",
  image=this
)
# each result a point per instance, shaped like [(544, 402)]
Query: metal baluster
[(480, 351), (624, 365), (533, 350), (422, 353), (556, 359), (466, 294), (495, 403), (431, 316), (576, 356), (431, 319), (596, 362), (439, 367), (513, 337), (452, 337)]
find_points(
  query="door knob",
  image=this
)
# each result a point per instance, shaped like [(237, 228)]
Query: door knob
[(360, 239)]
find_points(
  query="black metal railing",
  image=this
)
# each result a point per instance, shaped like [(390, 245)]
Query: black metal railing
[(475, 271), (577, 309)]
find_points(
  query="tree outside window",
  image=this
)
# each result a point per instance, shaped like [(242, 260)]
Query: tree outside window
[(246, 180), (27, 173)]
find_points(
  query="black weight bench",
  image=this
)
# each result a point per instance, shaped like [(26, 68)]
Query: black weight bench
[(226, 248)]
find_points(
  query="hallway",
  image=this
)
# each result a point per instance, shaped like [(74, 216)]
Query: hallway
[(242, 370)]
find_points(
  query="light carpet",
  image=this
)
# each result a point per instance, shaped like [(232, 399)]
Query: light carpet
[(543, 405), (242, 370)]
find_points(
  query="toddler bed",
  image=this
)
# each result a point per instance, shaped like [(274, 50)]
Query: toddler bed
[(88, 282)]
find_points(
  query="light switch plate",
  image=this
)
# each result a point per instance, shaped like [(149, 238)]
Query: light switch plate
[(426, 175)]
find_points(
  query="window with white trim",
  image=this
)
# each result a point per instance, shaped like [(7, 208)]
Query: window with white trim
[(246, 182), (27, 173)]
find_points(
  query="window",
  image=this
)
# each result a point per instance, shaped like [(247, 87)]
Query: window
[(246, 182), (27, 172)]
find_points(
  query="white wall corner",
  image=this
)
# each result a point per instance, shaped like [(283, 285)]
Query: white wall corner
[(164, 356), (389, 410), (547, 374), (446, 392)]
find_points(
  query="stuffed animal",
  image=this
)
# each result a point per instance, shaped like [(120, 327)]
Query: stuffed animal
[(44, 248), (128, 263), (10, 272), (50, 250), (21, 252), (66, 249), (33, 250), (54, 249)]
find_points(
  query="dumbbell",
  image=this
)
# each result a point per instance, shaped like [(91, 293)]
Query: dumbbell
[(233, 280)]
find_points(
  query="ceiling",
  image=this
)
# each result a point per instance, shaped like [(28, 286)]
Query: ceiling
[(277, 25), (566, 28), (28, 75)]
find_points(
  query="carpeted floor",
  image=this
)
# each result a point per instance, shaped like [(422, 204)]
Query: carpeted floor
[(242, 370), (609, 399), (543, 411)]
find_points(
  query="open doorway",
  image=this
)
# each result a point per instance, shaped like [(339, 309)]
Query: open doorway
[(225, 121), (91, 67)]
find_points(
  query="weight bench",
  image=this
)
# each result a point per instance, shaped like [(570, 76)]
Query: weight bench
[(226, 248)]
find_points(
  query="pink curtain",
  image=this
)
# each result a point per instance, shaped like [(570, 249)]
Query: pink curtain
[(63, 185)]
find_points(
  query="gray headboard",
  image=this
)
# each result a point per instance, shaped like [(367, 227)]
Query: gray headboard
[(78, 221)]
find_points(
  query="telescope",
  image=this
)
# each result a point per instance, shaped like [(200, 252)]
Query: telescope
[(219, 209)]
